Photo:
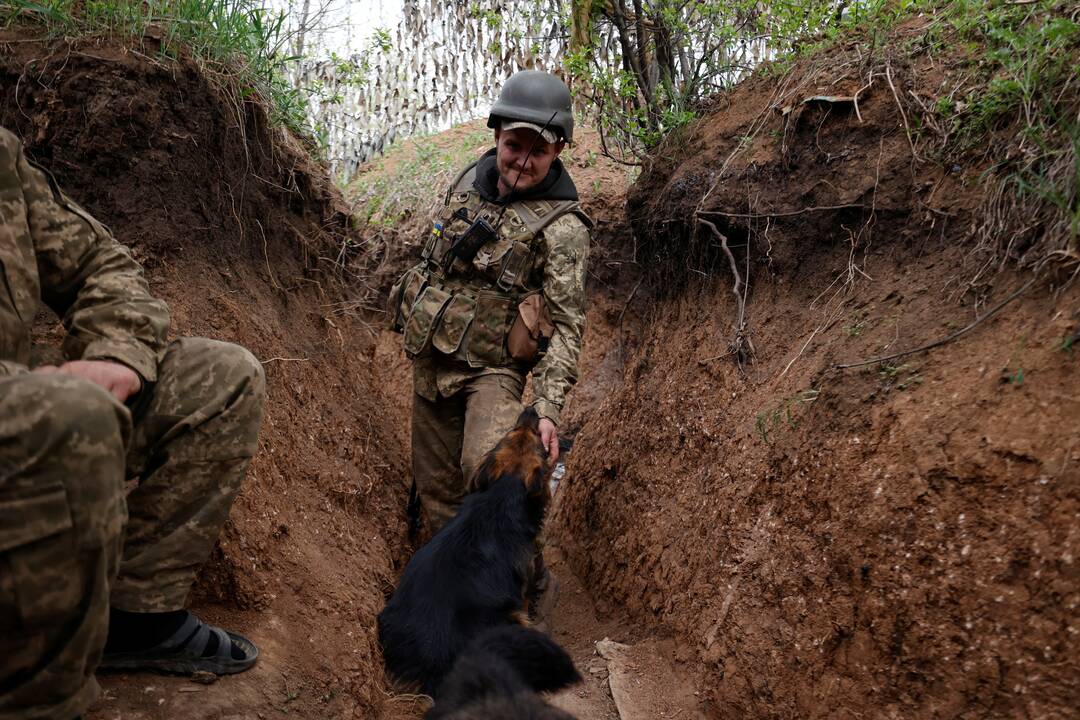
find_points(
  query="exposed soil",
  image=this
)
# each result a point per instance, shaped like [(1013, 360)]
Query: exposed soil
[(894, 540)]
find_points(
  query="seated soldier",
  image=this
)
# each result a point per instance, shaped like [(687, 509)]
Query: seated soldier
[(84, 570)]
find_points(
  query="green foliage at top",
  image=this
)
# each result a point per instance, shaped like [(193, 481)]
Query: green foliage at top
[(1030, 59), (237, 38), (1010, 93), (411, 177), (645, 66)]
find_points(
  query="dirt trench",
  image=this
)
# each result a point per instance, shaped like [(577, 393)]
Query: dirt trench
[(243, 236), (761, 535)]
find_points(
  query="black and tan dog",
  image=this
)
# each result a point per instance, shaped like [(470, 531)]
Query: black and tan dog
[(499, 675), (472, 575)]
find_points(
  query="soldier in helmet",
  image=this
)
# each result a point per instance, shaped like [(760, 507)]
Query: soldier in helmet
[(88, 566), (499, 295)]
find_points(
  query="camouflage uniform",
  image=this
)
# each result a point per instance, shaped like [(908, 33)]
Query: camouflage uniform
[(71, 544), (455, 317)]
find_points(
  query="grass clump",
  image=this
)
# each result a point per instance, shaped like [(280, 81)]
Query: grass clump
[(1009, 103), (237, 39), (901, 377), (1015, 100), (784, 415), (411, 177)]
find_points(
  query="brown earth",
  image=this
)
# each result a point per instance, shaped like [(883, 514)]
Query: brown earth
[(894, 540)]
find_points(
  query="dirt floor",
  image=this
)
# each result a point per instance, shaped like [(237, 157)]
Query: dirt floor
[(743, 529)]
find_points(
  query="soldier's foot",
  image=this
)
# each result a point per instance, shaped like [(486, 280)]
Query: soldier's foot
[(141, 630), (166, 645)]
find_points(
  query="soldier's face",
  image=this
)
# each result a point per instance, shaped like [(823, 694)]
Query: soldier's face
[(512, 147)]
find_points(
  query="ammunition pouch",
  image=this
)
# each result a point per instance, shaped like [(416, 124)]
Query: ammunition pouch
[(454, 323), (531, 331), (402, 296), (423, 319), (467, 326)]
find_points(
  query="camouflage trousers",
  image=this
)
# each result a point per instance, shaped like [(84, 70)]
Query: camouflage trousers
[(451, 436), (72, 545)]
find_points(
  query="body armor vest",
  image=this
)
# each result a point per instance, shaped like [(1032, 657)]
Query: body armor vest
[(463, 307)]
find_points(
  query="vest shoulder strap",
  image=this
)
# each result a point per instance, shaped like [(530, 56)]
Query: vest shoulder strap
[(462, 183), (538, 215)]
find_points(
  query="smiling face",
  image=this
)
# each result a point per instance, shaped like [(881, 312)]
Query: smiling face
[(511, 149)]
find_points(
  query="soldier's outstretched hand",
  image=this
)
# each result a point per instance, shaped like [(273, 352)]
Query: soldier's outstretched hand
[(549, 436), (120, 380)]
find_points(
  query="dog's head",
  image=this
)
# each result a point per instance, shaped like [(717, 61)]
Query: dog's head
[(521, 455)]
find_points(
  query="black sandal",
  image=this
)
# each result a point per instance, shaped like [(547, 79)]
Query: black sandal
[(182, 653)]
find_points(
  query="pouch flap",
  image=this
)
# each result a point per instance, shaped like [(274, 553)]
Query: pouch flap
[(532, 328), (491, 255), (402, 297), (534, 313), (455, 321), (423, 318), (486, 337)]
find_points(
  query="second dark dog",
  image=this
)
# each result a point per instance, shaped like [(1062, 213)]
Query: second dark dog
[(499, 675), (472, 575)]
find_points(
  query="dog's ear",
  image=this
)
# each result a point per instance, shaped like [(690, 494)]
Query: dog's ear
[(528, 419)]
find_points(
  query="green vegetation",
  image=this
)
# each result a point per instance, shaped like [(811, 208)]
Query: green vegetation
[(901, 377), (1018, 75), (644, 68), (785, 414), (401, 182), (855, 328), (1014, 369), (237, 40)]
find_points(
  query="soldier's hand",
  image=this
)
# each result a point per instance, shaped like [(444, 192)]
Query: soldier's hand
[(549, 436), (120, 380)]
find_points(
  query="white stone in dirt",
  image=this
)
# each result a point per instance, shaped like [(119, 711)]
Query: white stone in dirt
[(645, 684)]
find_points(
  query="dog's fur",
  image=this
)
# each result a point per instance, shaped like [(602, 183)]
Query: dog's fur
[(499, 675), (472, 575)]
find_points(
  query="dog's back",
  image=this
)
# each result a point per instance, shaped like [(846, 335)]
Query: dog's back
[(461, 583), (499, 675), (471, 576)]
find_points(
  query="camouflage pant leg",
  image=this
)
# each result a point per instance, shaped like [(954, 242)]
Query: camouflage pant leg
[(194, 438), (492, 406), (437, 429), (62, 443), (451, 436)]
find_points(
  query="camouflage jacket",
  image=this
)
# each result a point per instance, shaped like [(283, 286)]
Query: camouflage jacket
[(53, 250), (456, 315)]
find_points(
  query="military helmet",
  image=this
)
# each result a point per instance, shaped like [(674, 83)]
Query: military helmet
[(534, 96)]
